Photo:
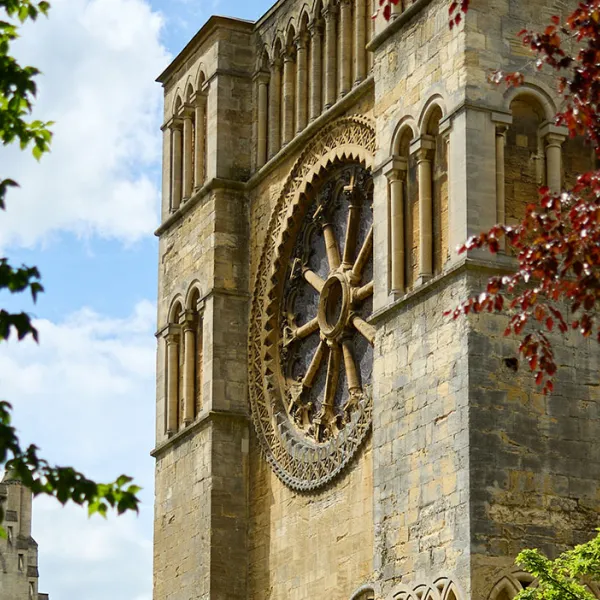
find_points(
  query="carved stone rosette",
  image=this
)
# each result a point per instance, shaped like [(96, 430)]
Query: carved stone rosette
[(310, 341)]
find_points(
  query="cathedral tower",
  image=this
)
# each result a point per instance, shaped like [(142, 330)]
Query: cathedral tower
[(322, 429)]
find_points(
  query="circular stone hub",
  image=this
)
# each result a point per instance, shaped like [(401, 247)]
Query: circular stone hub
[(334, 306)]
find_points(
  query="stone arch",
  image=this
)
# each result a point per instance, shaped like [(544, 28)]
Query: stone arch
[(200, 77), (194, 292), (434, 103), (535, 94), (407, 128), (189, 90), (304, 18), (177, 102), (364, 592), (348, 140), (175, 309)]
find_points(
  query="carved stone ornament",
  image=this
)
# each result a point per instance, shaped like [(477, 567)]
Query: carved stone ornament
[(311, 344)]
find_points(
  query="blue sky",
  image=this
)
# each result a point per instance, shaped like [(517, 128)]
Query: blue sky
[(85, 216)]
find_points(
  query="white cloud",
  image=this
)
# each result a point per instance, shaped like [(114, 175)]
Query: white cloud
[(99, 59), (85, 395)]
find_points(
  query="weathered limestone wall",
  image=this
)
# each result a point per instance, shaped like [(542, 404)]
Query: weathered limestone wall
[(312, 545), (534, 459), (182, 523), (420, 442)]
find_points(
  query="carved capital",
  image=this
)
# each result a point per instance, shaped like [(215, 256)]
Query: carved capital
[(395, 169)]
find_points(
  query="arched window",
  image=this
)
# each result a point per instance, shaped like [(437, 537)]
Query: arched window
[(176, 127), (402, 214), (198, 103), (275, 100), (524, 156), (288, 103), (261, 79), (172, 337), (191, 325), (439, 172)]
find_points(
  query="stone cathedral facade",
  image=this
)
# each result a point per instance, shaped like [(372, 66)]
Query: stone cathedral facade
[(322, 430)]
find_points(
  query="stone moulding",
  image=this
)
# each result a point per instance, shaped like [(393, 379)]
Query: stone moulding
[(300, 464)]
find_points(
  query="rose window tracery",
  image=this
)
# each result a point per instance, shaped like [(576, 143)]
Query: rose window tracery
[(310, 340), (326, 341)]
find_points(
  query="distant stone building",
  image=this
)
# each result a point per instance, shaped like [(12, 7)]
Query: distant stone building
[(18, 551), (322, 430)]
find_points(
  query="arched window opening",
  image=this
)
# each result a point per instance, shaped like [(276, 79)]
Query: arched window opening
[(289, 88), (191, 326), (402, 215), (200, 133), (302, 74), (262, 94), (275, 101), (315, 29), (330, 15), (172, 368), (439, 172), (176, 127), (188, 116), (524, 157)]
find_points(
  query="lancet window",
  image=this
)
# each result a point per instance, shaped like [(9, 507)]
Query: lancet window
[(183, 363), (188, 145), (418, 204), (310, 68)]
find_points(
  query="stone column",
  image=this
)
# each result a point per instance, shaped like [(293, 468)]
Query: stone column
[(288, 96), (500, 174), (189, 366), (330, 14), (554, 137), (360, 41), (262, 81), (188, 159), (200, 141), (301, 82), (176, 144), (172, 342), (316, 76), (275, 107), (345, 74), (423, 147), (396, 176)]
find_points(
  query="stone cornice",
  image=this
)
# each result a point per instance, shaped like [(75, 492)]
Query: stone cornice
[(202, 421), (502, 264), (215, 183), (396, 23)]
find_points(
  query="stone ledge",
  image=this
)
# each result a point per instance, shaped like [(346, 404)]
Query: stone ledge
[(396, 24), (203, 420), (216, 183), (504, 264)]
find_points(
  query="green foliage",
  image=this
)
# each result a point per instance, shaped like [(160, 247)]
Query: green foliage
[(563, 578), (17, 92)]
